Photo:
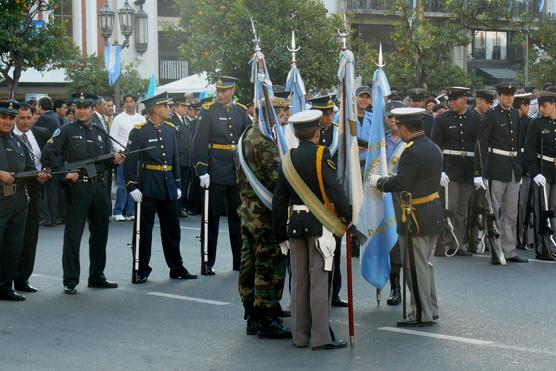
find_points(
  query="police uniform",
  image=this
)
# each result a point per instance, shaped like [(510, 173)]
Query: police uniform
[(88, 196), (184, 135), (455, 134), (541, 140), (498, 141), (418, 95), (311, 285), (214, 153), (329, 139), (156, 174), (419, 172), (263, 266), (13, 203)]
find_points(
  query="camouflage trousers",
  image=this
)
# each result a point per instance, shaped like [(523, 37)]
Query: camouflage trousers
[(262, 270)]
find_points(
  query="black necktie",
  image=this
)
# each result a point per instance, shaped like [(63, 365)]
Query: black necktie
[(29, 147)]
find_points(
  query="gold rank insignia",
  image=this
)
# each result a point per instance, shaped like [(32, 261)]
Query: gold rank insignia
[(409, 145), (331, 164)]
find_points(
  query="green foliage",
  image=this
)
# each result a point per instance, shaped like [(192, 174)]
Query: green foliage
[(219, 39), (543, 55), (90, 76), (24, 45)]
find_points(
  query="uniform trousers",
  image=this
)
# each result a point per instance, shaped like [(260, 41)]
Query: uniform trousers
[(218, 194), (395, 254), (49, 203), (524, 189), (337, 275), (31, 235), (505, 202), (12, 221), (551, 196), (91, 205), (186, 173), (425, 290), (311, 294), (459, 194), (170, 233)]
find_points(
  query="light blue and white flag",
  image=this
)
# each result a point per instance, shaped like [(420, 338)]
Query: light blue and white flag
[(295, 84), (152, 87), (377, 219), (113, 62)]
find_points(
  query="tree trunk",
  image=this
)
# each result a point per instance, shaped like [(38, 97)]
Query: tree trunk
[(420, 19), (14, 83)]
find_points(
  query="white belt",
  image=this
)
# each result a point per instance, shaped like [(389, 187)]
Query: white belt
[(503, 153), (300, 208), (458, 153), (547, 158)]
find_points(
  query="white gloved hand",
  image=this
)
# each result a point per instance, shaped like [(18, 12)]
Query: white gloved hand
[(479, 183), (374, 180), (540, 180), (136, 195), (204, 180), (285, 247), (179, 193), (444, 180)]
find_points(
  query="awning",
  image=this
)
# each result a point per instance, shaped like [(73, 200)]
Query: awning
[(500, 73)]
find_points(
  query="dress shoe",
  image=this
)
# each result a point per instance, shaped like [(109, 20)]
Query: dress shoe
[(461, 252), (336, 344), (103, 284), (435, 317), (269, 328), (395, 290), (141, 279), (337, 302), (209, 272), (517, 259), (182, 273), (9, 294), (24, 287), (70, 290), (183, 214), (46, 223), (192, 212), (412, 323)]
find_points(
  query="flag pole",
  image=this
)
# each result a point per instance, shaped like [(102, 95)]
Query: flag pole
[(343, 37), (380, 64)]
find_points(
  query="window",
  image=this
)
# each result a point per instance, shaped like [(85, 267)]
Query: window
[(64, 12), (167, 8), (490, 45)]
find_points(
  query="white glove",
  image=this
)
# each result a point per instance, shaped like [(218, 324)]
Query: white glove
[(179, 193), (444, 180), (540, 180), (478, 181), (136, 195), (285, 247), (204, 180), (374, 180)]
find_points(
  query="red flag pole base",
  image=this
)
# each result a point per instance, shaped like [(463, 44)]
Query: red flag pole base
[(350, 290)]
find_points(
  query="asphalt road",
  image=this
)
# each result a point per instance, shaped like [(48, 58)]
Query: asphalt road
[(490, 318)]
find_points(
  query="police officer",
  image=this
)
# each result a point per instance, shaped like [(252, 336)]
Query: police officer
[(153, 178), (419, 173), (311, 294), (14, 158), (417, 100), (87, 191), (498, 142), (541, 139), (263, 266), (455, 132), (214, 154)]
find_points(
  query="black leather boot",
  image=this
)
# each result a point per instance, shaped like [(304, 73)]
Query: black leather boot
[(252, 318), (395, 290), (270, 327)]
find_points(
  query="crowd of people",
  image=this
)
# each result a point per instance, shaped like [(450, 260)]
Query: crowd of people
[(60, 160)]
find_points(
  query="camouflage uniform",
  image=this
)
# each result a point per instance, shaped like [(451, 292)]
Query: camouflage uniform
[(263, 266)]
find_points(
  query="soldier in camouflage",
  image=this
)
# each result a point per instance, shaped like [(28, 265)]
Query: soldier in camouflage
[(263, 266)]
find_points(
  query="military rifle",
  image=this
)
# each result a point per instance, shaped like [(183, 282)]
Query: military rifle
[(35, 173), (449, 228), (493, 234), (547, 248)]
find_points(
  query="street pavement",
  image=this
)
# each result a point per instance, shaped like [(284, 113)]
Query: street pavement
[(490, 318)]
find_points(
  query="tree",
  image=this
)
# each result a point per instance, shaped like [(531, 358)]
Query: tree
[(91, 76), (218, 39), (28, 42), (542, 56)]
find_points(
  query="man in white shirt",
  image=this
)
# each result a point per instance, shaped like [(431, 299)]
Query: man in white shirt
[(124, 209)]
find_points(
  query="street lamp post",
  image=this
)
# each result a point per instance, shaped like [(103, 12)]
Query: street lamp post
[(129, 21)]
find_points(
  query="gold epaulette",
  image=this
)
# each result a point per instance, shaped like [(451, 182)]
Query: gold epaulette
[(170, 124), (139, 126), (409, 145), (242, 106), (206, 106)]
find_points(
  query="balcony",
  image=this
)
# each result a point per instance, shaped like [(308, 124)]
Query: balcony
[(436, 6), (171, 69)]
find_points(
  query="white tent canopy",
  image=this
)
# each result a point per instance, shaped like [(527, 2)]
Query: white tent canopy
[(191, 84)]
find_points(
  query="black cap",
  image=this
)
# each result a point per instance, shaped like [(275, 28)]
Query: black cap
[(456, 92), (416, 93), (486, 94), (388, 107), (9, 107), (546, 96), (506, 87), (161, 98), (438, 107), (520, 99), (285, 94), (364, 89), (324, 103), (84, 99), (226, 82)]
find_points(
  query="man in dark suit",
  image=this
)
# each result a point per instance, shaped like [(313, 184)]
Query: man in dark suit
[(184, 136), (48, 119), (102, 129), (34, 139)]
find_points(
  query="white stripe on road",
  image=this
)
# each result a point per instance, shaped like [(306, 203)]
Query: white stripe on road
[(459, 339), (189, 228), (187, 298)]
